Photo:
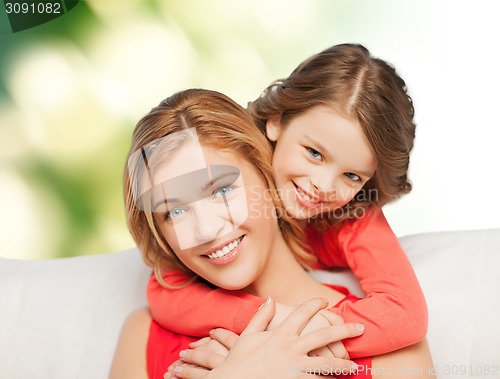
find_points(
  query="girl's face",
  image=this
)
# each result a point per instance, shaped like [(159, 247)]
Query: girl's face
[(321, 160), (222, 225)]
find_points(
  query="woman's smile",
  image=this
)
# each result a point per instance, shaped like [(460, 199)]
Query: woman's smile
[(225, 253)]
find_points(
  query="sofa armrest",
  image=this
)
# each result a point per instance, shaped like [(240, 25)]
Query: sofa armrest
[(60, 318)]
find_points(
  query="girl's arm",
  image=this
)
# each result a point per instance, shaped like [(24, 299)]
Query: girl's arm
[(394, 311), (208, 308)]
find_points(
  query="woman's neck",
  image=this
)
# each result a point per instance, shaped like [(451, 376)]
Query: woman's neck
[(286, 281)]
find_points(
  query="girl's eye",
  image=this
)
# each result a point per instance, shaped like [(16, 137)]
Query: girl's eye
[(223, 191), (315, 153), (353, 177), (176, 212)]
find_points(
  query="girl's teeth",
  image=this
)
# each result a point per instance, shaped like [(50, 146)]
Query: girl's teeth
[(225, 250), (306, 196)]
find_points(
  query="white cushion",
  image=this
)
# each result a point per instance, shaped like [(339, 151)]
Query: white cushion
[(61, 318)]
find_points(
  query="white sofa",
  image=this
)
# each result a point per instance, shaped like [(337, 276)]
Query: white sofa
[(60, 319)]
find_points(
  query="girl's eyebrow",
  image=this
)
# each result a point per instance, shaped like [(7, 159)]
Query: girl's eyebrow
[(320, 147)]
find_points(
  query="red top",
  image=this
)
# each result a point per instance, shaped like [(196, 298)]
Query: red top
[(394, 311), (164, 346)]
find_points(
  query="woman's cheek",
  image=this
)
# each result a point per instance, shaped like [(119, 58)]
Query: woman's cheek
[(238, 209), (260, 203)]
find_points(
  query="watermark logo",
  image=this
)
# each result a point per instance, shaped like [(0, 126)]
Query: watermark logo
[(26, 14)]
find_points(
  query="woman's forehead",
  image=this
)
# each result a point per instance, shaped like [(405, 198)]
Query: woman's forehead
[(178, 166)]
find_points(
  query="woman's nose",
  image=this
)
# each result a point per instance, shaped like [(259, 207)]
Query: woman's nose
[(210, 222)]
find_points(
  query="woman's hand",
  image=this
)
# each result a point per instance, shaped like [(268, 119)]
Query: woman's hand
[(280, 353)]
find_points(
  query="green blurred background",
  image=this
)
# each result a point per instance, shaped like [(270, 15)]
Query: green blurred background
[(72, 90)]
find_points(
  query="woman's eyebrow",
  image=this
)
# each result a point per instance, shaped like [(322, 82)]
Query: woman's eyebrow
[(218, 178), (164, 201), (187, 188)]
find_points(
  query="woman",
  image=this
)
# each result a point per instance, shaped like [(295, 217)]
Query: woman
[(200, 197)]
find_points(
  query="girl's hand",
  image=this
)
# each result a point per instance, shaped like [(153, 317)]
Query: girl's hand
[(209, 354), (322, 319)]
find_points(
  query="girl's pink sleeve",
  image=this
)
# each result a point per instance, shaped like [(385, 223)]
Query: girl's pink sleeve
[(394, 311), (197, 308)]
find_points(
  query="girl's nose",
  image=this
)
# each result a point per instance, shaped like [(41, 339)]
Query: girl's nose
[(324, 184)]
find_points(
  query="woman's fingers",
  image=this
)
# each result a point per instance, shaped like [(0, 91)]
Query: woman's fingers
[(298, 319), (262, 318)]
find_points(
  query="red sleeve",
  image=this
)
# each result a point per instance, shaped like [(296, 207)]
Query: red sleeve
[(207, 308), (394, 311)]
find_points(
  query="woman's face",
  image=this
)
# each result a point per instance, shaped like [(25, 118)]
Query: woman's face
[(216, 214), (321, 160)]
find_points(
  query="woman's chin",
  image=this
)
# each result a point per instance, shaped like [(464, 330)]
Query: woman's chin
[(232, 283)]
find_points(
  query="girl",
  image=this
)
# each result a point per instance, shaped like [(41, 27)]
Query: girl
[(203, 138), (342, 129)]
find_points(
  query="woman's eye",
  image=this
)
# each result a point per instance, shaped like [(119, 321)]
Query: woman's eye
[(223, 191), (315, 153), (353, 177), (176, 212)]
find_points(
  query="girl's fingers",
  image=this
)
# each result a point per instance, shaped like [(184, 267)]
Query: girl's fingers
[(298, 319), (200, 342), (327, 366), (338, 350), (324, 336), (186, 372), (202, 358), (224, 337), (332, 317)]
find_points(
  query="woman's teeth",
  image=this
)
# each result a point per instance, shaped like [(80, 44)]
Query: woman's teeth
[(225, 250)]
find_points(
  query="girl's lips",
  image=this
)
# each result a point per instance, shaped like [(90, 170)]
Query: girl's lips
[(228, 257)]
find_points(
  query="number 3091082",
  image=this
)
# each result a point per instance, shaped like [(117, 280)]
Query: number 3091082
[(40, 8)]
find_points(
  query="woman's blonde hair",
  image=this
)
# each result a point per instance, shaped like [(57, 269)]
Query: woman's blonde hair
[(222, 124), (362, 87)]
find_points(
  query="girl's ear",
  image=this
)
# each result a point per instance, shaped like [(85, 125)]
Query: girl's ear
[(273, 127)]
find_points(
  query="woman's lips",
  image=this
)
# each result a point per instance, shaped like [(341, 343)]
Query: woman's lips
[(226, 253)]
